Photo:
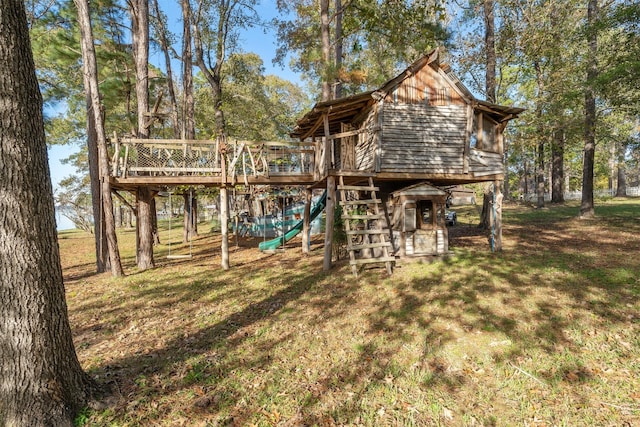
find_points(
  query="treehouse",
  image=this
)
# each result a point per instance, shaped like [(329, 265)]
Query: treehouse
[(423, 126)]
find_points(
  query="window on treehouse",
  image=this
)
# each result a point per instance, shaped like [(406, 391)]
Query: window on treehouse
[(484, 134)]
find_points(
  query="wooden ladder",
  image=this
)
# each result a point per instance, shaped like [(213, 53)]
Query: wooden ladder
[(367, 232)]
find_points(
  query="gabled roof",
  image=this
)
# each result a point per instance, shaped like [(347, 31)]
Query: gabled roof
[(346, 109), (421, 189)]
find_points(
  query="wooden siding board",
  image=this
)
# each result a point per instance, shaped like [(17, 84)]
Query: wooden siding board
[(421, 138), (365, 147)]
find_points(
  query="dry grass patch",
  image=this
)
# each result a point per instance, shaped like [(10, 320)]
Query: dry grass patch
[(544, 333)]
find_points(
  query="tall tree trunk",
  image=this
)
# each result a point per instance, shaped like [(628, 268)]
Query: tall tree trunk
[(485, 215), (621, 188), (557, 167), (540, 146), (194, 214), (100, 235), (90, 68), (190, 220), (41, 381), (490, 49), (155, 233), (587, 205), (540, 173), (338, 53), (526, 177), (144, 229), (139, 10), (214, 74), (490, 87), (326, 49), (188, 109)]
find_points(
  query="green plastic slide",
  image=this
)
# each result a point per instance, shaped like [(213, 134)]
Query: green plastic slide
[(272, 244)]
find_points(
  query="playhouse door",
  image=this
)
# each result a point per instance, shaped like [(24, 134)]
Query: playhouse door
[(425, 242)]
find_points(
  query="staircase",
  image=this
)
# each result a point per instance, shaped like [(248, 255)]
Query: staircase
[(366, 226)]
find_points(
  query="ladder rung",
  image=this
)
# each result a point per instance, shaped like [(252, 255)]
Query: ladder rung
[(357, 188), (376, 216), (361, 202), (357, 247), (367, 232), (371, 260)]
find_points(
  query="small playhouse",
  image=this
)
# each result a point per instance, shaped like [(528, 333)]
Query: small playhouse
[(417, 217)]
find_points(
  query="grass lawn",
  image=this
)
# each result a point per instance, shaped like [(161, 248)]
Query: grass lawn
[(545, 333)]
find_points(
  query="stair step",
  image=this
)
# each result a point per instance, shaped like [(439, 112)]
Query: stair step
[(367, 232), (375, 216), (361, 202), (357, 247), (371, 260), (357, 188)]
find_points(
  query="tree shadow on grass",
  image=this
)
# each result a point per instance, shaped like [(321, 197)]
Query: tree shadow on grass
[(452, 312)]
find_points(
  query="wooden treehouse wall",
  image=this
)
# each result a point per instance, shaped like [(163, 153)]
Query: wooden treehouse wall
[(425, 126), (423, 139)]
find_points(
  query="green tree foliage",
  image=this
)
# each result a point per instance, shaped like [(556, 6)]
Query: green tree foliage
[(619, 80), (542, 66), (378, 39), (56, 45), (257, 107)]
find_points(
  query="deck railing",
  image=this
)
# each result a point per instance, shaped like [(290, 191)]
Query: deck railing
[(232, 160)]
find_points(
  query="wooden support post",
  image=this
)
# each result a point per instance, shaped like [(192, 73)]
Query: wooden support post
[(224, 210), (497, 185), (306, 222), (224, 226), (328, 233), (328, 146)]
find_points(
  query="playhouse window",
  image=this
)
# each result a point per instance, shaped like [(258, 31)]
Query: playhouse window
[(426, 213), (409, 219), (426, 95)]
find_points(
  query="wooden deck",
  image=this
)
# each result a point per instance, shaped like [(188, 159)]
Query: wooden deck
[(162, 162)]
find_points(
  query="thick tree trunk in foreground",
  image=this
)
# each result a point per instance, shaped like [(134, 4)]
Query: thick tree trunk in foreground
[(41, 381)]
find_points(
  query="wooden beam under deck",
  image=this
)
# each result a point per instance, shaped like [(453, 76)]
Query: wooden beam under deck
[(210, 181)]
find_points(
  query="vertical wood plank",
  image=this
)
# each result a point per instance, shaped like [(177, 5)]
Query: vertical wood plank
[(329, 212)]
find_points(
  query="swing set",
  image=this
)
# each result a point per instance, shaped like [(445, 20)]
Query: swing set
[(188, 213)]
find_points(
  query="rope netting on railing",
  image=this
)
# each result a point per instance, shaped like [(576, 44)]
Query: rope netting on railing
[(155, 157)]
